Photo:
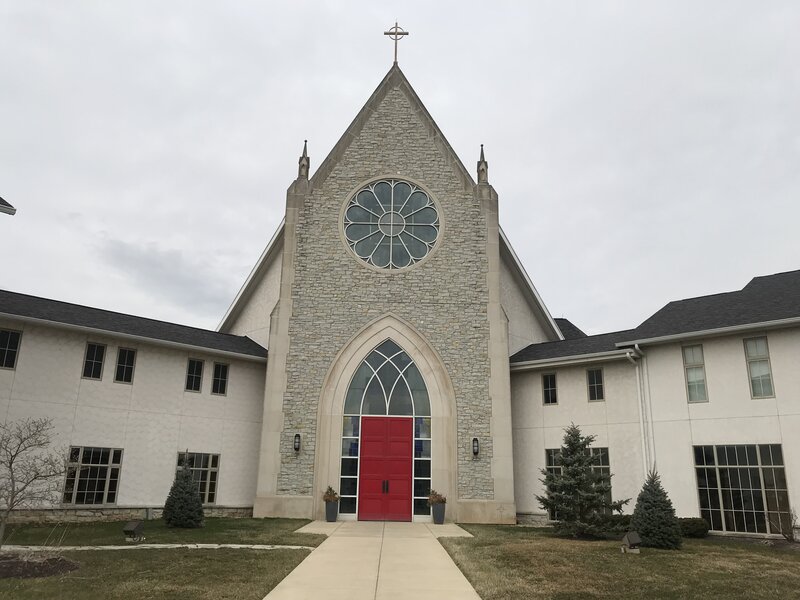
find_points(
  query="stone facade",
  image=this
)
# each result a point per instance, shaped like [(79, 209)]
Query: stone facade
[(112, 513), (394, 142)]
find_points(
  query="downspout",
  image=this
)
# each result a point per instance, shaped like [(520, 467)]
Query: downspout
[(640, 397), (648, 403)]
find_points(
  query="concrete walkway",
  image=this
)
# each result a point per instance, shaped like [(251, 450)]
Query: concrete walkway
[(377, 561)]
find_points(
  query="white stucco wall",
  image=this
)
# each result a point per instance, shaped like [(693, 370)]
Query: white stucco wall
[(151, 419), (730, 416), (254, 310), (615, 422), (524, 327)]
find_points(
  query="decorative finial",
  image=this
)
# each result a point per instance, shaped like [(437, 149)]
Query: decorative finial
[(483, 169), (304, 162), (395, 33)]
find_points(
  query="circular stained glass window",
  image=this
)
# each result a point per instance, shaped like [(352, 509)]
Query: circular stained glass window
[(391, 224)]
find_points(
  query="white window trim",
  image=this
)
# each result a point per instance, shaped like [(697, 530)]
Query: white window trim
[(202, 372), (602, 385), (554, 388), (687, 366), (19, 350), (748, 360), (133, 366), (227, 378), (102, 365)]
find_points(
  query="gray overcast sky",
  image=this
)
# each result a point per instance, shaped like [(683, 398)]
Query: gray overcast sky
[(643, 152)]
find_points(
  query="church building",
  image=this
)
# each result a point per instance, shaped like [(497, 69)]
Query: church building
[(388, 342)]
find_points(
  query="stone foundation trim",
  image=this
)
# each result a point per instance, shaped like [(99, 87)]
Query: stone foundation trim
[(484, 511), (115, 513), (288, 507)]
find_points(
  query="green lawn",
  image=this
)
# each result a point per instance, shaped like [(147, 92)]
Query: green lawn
[(506, 562), (164, 573), (215, 531), (177, 574)]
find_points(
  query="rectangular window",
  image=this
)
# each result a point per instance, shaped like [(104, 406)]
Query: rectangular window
[(601, 464), (743, 488), (549, 388), (205, 472), (92, 475), (757, 353), (348, 481), (695, 370), (93, 361), (126, 358), (220, 383), (194, 375), (594, 379), (9, 347)]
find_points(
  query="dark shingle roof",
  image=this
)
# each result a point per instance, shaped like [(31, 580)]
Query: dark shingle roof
[(589, 344), (568, 329), (768, 298), (6, 207), (22, 305)]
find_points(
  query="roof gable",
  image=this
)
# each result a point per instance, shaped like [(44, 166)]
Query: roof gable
[(394, 79)]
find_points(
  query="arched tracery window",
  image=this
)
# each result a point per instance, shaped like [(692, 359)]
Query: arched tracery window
[(387, 383)]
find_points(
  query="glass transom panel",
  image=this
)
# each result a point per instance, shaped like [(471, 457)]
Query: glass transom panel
[(391, 224), (387, 383)]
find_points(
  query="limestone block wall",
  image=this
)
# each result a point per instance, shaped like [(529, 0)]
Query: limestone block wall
[(537, 427), (151, 419), (335, 295)]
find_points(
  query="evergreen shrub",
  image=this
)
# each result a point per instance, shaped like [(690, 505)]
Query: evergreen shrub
[(654, 516), (183, 507)]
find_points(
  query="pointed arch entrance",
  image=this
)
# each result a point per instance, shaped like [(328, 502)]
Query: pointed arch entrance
[(386, 439), (386, 428)]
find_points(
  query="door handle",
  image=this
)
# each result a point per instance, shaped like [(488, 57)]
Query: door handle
[(387, 486)]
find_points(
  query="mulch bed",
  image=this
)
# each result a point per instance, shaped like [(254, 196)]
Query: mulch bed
[(14, 565)]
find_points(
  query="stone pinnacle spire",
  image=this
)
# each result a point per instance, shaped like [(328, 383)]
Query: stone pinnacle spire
[(483, 169), (304, 162)]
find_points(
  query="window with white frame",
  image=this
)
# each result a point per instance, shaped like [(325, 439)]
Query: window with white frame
[(757, 353), (9, 347), (743, 488), (205, 472), (549, 389), (219, 383), (594, 381), (93, 361), (126, 359), (695, 370), (194, 375), (92, 475)]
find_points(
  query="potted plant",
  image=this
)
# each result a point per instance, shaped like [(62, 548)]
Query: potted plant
[(331, 499), (437, 502)]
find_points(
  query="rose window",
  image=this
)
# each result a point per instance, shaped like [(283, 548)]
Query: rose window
[(391, 224)]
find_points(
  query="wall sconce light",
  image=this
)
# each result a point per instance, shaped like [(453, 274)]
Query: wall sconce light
[(476, 447), (297, 442)]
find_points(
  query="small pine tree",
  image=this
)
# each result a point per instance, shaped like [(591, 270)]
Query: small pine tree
[(579, 495), (183, 507), (654, 516)]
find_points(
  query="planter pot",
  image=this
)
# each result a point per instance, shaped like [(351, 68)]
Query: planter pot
[(331, 511), (438, 513)]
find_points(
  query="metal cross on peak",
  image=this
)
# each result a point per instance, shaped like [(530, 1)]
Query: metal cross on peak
[(395, 33)]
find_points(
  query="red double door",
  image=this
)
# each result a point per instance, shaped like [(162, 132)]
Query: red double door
[(386, 463)]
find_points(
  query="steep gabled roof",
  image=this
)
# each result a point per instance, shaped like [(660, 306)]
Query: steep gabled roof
[(568, 329), (5, 207), (767, 299), (46, 311), (395, 78), (267, 256)]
